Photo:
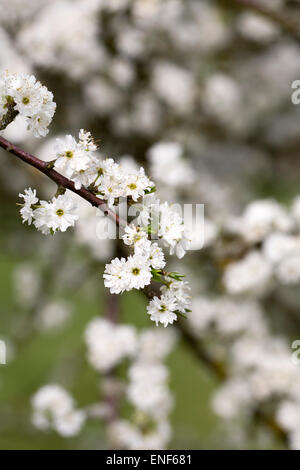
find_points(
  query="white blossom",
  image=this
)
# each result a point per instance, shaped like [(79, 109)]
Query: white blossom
[(222, 97), (108, 344), (155, 344), (148, 390), (55, 215), (288, 415), (134, 235), (288, 270), (278, 245), (77, 160), (115, 276), (30, 99), (250, 275), (30, 199), (138, 271), (257, 28), (162, 310), (181, 292), (126, 435), (171, 227), (69, 424), (231, 398), (260, 218), (53, 315), (175, 85), (168, 166), (53, 407), (27, 283), (155, 256), (136, 183)]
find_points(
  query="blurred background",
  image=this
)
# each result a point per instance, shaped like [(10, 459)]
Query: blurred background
[(199, 93)]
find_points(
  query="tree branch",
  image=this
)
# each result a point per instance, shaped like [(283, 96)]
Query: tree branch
[(60, 180)]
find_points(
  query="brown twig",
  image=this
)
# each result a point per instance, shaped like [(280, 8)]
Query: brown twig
[(59, 179)]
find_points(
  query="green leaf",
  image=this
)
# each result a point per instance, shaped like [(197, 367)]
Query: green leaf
[(180, 314), (176, 276), (156, 275), (150, 191)]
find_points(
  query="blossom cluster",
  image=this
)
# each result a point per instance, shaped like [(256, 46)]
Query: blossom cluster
[(78, 161), (26, 96), (147, 263), (276, 260), (54, 408), (109, 343), (111, 181), (48, 217), (175, 300), (168, 165)]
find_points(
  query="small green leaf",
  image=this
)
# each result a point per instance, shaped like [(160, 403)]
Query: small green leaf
[(176, 276), (150, 191), (156, 275)]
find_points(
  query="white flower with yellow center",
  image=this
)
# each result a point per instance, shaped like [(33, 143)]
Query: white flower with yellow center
[(70, 158), (28, 96), (56, 215), (162, 310), (138, 271), (134, 235), (61, 213), (115, 277), (136, 183)]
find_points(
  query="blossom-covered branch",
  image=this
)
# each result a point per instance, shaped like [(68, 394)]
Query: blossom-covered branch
[(104, 183), (59, 179)]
